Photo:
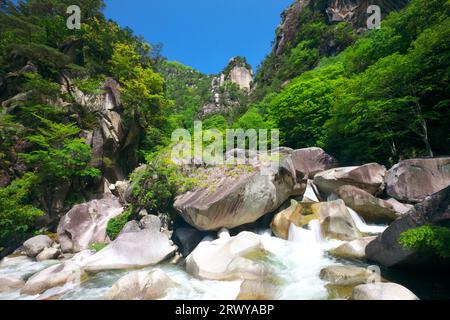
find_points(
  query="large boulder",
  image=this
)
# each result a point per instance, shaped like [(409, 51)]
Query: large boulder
[(310, 161), (382, 291), (370, 208), (86, 224), (141, 285), (35, 245), (232, 196), (57, 276), (48, 254), (257, 290), (10, 283), (335, 220), (132, 250), (225, 258), (387, 250), (415, 179), (369, 177), (355, 249)]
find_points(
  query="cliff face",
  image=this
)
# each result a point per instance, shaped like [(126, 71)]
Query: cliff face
[(352, 11)]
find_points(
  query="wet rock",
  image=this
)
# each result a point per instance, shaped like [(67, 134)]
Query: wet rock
[(257, 290), (382, 291), (141, 285), (345, 275), (225, 259), (132, 250), (355, 249), (48, 254), (10, 283), (187, 239), (370, 208)]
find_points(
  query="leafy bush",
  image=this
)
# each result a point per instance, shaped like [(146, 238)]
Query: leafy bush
[(97, 246), (17, 215), (115, 225), (428, 237)]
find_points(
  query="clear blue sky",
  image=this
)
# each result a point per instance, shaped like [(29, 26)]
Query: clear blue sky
[(203, 34)]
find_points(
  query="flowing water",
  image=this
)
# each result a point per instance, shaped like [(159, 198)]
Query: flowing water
[(295, 264)]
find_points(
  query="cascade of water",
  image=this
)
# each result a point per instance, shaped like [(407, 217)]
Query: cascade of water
[(363, 226), (314, 226)]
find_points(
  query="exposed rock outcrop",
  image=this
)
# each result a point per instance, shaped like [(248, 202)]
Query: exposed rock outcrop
[(236, 196), (415, 179), (310, 161), (86, 224)]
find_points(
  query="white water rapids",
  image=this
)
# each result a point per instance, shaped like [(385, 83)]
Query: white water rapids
[(295, 263)]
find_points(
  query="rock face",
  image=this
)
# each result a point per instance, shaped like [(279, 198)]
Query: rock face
[(35, 245), (335, 220), (224, 259), (86, 224), (132, 250), (310, 161), (355, 249), (241, 76), (345, 275), (382, 291), (414, 180), (386, 249), (236, 196), (10, 283), (141, 285), (369, 177), (370, 208)]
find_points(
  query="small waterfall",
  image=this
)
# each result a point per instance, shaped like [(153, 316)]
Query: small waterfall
[(363, 226), (314, 226), (332, 197), (305, 236)]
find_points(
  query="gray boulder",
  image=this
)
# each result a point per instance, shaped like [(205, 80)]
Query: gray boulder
[(86, 224), (382, 291), (141, 285), (369, 177), (355, 249), (415, 179), (231, 196), (35, 245), (310, 161), (48, 254), (10, 283), (370, 208), (387, 250), (132, 250), (345, 275)]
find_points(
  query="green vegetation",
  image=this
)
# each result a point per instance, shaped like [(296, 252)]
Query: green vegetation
[(98, 246), (428, 237), (115, 225)]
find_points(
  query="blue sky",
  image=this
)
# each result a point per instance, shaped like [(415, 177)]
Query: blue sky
[(203, 34)]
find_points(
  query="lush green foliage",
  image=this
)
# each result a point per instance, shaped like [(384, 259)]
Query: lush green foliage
[(17, 215), (115, 225), (428, 237)]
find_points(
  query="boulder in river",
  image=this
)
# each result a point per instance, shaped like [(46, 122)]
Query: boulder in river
[(310, 161), (231, 196), (132, 250), (387, 250), (257, 290), (35, 245), (370, 208), (86, 224), (369, 177), (10, 283), (382, 291), (355, 249), (345, 275), (141, 285), (226, 258), (415, 179), (48, 254)]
